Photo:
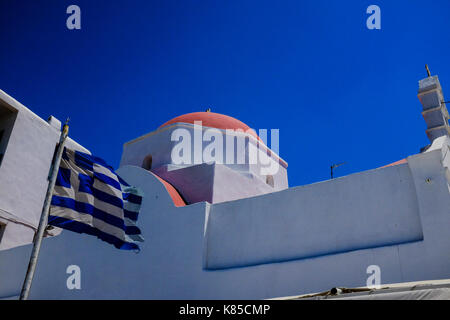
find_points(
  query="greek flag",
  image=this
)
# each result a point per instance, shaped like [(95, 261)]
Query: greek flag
[(89, 197)]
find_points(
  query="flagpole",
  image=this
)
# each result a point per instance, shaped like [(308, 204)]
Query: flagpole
[(44, 215)]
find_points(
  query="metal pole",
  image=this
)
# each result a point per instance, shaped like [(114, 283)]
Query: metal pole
[(44, 215)]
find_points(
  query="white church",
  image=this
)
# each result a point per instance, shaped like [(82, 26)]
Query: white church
[(229, 230)]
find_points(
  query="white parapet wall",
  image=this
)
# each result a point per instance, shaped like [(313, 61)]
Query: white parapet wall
[(365, 210), (291, 242)]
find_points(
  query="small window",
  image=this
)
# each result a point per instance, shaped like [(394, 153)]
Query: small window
[(269, 180), (147, 163), (2, 133), (7, 119), (2, 230)]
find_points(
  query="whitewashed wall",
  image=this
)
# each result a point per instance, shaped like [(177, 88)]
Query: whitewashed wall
[(24, 171), (413, 244)]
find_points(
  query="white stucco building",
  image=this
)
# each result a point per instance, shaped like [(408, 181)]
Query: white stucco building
[(227, 230)]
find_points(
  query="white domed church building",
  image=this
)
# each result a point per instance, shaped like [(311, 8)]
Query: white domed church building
[(219, 219)]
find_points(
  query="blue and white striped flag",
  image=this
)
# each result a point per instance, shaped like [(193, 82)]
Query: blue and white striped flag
[(89, 197)]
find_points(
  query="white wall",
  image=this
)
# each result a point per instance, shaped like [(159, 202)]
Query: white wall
[(24, 171), (214, 183), (171, 263), (365, 210)]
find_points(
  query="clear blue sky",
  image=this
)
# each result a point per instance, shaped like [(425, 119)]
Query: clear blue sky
[(336, 90)]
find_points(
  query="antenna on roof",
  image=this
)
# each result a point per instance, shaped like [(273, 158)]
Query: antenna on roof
[(334, 166), (428, 70)]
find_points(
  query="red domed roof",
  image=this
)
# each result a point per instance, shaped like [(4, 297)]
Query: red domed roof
[(212, 120), (219, 121), (173, 193)]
